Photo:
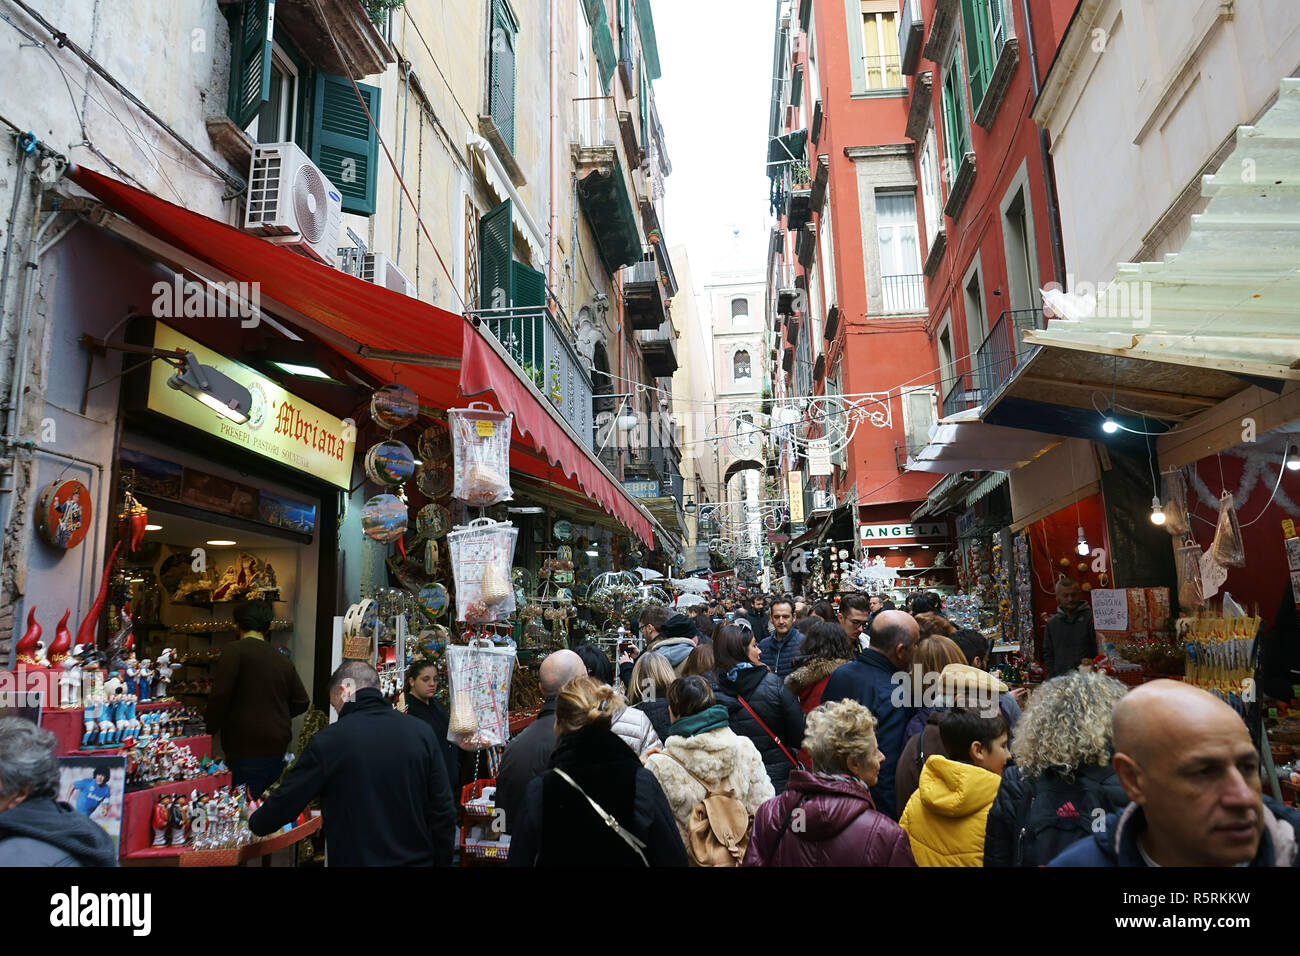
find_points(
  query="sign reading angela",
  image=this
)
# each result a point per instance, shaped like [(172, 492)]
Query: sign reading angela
[(281, 426), (901, 532)]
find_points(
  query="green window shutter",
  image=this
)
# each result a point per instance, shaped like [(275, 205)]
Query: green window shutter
[(250, 61), (649, 42), (603, 41), (643, 100), (530, 293), (495, 286), (624, 29), (975, 25), (501, 92), (343, 143), (1000, 28), (857, 47)]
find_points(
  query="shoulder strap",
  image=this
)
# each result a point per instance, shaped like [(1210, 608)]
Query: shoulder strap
[(766, 730), (789, 818), (920, 750), (707, 789), (609, 819)]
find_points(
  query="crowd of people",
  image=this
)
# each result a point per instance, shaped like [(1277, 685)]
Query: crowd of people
[(780, 732)]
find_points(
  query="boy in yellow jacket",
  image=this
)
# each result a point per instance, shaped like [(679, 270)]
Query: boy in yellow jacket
[(946, 816)]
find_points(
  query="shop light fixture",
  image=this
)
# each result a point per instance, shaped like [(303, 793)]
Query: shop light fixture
[(1292, 458), (303, 371), (1083, 550), (1157, 512), (153, 527), (1109, 425), (528, 510), (593, 553), (222, 543), (218, 391)]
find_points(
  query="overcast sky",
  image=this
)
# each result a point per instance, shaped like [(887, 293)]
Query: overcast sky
[(713, 101)]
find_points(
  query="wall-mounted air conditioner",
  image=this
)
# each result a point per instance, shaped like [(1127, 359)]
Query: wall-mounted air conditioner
[(381, 270), (292, 203)]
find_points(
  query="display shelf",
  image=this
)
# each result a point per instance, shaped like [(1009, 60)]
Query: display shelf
[(200, 745), (212, 604), (137, 809), (187, 856)]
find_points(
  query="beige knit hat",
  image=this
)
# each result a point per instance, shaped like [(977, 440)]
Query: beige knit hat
[(970, 686)]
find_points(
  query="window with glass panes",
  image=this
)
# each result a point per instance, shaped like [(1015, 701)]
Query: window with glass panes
[(901, 284), (956, 131), (931, 193), (883, 68)]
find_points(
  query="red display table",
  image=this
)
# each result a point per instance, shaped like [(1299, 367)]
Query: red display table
[(231, 856), (137, 811)]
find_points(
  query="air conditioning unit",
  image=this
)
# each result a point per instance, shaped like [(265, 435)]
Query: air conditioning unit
[(381, 270), (823, 500), (292, 203)]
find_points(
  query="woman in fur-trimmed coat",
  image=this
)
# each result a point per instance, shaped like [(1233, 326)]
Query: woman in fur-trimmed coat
[(703, 750), (824, 649)]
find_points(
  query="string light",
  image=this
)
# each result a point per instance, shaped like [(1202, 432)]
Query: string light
[(1083, 548)]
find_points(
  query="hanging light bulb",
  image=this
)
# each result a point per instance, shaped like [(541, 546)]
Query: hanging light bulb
[(1083, 548), (1109, 425), (1292, 458), (1157, 512)]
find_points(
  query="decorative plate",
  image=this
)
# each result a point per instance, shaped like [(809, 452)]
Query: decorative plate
[(563, 530), (433, 521), (394, 406), (383, 518), (390, 463), (435, 443), (433, 600), (433, 480)]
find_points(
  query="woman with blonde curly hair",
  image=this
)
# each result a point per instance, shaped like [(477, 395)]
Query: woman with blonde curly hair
[(596, 806), (840, 825), (1062, 775)]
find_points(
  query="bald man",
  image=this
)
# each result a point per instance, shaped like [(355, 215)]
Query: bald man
[(529, 754), (1187, 763)]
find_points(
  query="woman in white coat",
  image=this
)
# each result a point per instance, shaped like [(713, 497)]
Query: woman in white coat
[(702, 745)]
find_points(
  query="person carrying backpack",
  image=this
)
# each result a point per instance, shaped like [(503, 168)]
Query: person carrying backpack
[(714, 779), (1062, 785)]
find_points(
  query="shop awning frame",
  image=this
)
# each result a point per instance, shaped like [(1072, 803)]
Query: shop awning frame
[(426, 343)]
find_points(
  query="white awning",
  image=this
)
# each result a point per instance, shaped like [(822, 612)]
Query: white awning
[(962, 442), (1229, 299), (498, 181)]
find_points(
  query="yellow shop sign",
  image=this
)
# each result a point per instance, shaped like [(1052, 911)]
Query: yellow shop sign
[(281, 426)]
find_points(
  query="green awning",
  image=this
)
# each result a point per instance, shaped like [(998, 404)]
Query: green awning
[(612, 216), (645, 22), (781, 148), (602, 40)]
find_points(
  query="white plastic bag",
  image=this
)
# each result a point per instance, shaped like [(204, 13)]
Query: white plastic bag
[(482, 554), (479, 675), (480, 440)]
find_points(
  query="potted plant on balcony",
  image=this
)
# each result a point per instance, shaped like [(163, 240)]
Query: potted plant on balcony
[(557, 397)]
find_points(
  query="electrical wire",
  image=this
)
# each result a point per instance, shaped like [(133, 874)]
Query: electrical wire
[(1281, 470)]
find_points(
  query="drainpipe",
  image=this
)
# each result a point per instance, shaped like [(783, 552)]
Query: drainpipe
[(551, 164), (1044, 152), (401, 170)]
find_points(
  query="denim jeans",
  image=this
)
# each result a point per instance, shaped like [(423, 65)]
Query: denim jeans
[(257, 773)]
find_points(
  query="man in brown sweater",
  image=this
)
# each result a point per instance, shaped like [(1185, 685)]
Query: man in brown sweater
[(255, 694)]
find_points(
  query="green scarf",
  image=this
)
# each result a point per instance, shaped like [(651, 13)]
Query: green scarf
[(711, 718)]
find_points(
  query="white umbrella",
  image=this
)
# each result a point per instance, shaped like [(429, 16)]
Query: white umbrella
[(649, 574), (692, 585)]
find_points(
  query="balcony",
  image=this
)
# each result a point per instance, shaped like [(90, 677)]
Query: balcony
[(903, 294), (798, 204), (336, 36), (884, 76), (937, 248), (910, 30), (659, 349), (942, 25), (918, 112), (817, 198), (806, 244), (544, 357), (1003, 349), (959, 395), (603, 190), (961, 187), (645, 301)]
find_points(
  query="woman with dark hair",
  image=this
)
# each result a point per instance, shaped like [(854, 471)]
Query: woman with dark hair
[(703, 754), (824, 610), (758, 704), (825, 648), (634, 726), (421, 685), (596, 806), (699, 663)]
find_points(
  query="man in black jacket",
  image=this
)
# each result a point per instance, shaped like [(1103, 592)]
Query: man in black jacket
[(381, 781), (1069, 638), (529, 754)]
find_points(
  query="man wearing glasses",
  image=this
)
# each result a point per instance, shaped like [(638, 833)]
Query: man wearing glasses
[(855, 613)]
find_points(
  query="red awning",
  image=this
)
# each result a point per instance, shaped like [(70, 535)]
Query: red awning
[(357, 318)]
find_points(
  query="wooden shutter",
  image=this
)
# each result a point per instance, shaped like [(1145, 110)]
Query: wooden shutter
[(250, 61), (998, 28), (343, 143), (643, 101), (496, 289), (530, 293), (857, 65), (501, 90)]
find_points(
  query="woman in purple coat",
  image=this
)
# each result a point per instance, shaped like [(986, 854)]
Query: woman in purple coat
[(826, 817)]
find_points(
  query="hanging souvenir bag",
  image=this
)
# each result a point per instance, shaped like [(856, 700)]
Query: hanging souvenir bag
[(480, 694), (1187, 561), (1177, 522), (482, 553), (1227, 550), (481, 446)]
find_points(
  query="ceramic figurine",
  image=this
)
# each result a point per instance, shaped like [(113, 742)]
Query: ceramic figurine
[(164, 668), (113, 683), (90, 624), (25, 649), (70, 679), (162, 818), (131, 674), (90, 719), (144, 680), (198, 817), (62, 643), (180, 817), (107, 725)]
